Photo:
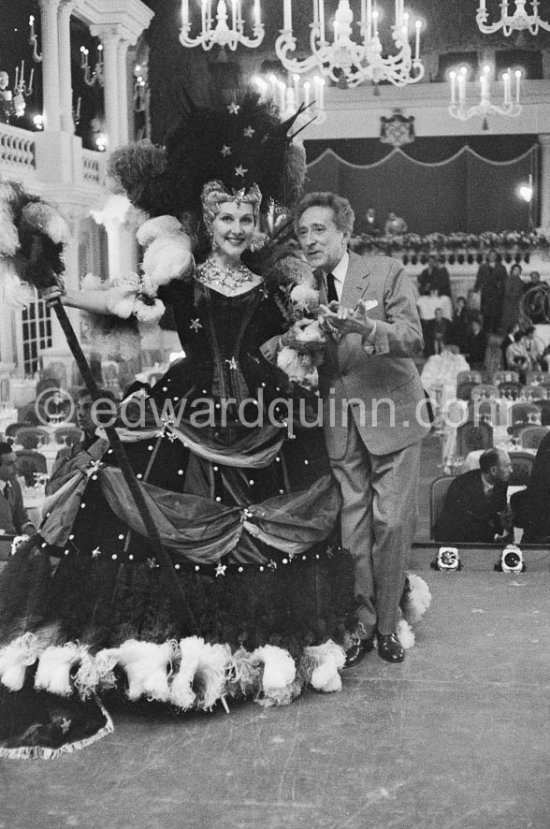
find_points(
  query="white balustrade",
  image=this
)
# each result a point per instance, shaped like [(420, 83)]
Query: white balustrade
[(17, 148), (93, 167)]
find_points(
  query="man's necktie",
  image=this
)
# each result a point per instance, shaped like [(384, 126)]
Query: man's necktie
[(7, 491), (332, 294)]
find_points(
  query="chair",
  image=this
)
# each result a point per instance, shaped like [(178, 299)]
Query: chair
[(28, 463), (536, 377), (438, 493), (505, 377), (68, 435), (473, 436), (464, 390), (13, 428), (468, 377), (491, 411), (530, 437), (535, 392), (483, 391), (544, 408), (32, 436), (524, 413), (510, 389), (522, 466)]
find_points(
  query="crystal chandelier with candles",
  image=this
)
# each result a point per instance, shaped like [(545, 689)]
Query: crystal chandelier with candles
[(519, 21), (356, 62), (222, 31), (510, 106)]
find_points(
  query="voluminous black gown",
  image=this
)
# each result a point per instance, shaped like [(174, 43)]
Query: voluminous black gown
[(246, 507)]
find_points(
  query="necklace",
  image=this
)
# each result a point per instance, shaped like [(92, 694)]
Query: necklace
[(210, 273)]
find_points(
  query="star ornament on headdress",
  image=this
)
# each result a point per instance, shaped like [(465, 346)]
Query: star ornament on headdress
[(240, 170), (248, 132), (220, 569), (233, 108), (225, 151)]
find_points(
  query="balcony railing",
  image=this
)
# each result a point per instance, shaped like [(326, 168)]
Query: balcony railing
[(17, 149)]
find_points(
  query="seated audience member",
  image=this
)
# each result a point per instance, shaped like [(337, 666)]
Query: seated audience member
[(89, 447), (369, 223), (534, 346), (475, 508), (434, 279), (476, 346), (534, 278), (509, 339), (440, 329), (442, 370), (13, 515), (395, 225), (517, 356), (531, 507), (460, 326)]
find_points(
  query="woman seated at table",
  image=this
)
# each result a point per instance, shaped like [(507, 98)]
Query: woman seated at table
[(475, 508)]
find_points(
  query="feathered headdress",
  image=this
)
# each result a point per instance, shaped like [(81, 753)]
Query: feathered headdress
[(243, 144)]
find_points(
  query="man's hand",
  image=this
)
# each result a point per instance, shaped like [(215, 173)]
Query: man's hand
[(339, 318)]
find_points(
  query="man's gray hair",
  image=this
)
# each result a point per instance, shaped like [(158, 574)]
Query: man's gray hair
[(344, 217)]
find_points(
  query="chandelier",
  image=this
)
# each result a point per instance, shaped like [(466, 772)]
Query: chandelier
[(518, 21), (355, 62), (220, 32), (510, 106)]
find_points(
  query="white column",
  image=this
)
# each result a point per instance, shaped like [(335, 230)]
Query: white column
[(110, 38), (123, 111), (65, 80), (50, 64), (544, 141)]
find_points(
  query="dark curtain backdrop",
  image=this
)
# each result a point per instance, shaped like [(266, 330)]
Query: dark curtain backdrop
[(462, 190)]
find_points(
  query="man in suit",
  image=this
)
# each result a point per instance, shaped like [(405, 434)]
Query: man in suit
[(374, 410), (475, 508), (13, 515), (434, 278), (490, 281)]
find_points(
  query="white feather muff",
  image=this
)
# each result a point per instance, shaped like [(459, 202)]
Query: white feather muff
[(9, 237), (211, 675), (417, 599), (327, 660), (13, 292), (305, 296), (54, 668), (146, 666), (405, 634), (159, 226), (15, 658), (182, 694), (96, 672), (278, 675), (297, 369), (46, 219), (168, 257)]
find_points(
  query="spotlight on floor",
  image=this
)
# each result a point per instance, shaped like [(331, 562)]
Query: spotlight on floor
[(511, 560), (447, 559)]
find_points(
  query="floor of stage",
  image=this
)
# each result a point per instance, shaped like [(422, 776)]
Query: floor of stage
[(456, 736)]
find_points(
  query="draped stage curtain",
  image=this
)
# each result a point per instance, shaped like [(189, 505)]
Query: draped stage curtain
[(463, 192)]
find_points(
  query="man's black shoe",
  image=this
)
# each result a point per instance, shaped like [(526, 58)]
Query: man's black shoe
[(389, 647), (357, 651)]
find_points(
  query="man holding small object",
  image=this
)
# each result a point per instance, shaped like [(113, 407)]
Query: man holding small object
[(374, 411)]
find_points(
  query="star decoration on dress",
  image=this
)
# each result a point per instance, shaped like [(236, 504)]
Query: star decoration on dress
[(64, 724), (225, 151), (272, 564), (96, 553), (240, 170), (151, 562), (248, 132), (93, 468), (330, 551), (233, 108), (220, 569), (195, 325), (232, 364)]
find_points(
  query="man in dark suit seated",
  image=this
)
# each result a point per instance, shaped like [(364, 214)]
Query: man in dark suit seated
[(475, 508), (13, 515)]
